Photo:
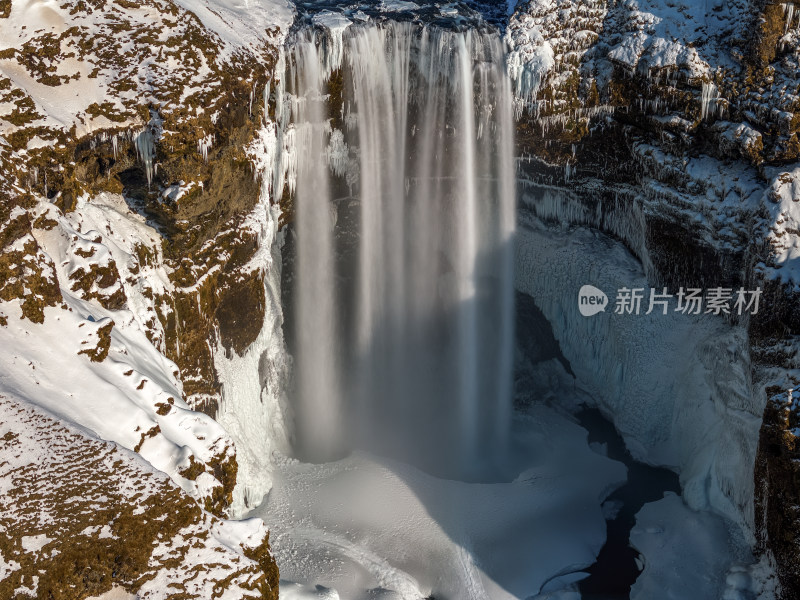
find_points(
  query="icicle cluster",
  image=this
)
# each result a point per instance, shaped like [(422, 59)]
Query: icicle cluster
[(337, 153), (205, 144), (708, 100), (146, 149)]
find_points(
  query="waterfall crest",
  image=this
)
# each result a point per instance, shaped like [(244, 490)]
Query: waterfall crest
[(405, 216)]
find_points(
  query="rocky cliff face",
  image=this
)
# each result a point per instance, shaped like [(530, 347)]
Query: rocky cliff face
[(673, 127), (131, 216), (137, 153)]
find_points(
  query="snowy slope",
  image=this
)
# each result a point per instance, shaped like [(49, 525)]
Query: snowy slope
[(74, 64), (133, 396), (80, 514)]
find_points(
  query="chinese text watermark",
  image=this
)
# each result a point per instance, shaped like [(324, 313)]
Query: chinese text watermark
[(688, 301)]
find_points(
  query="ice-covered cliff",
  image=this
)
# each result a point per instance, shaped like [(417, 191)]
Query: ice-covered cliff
[(672, 127), (146, 173)]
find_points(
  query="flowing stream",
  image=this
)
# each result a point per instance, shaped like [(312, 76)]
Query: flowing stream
[(616, 569)]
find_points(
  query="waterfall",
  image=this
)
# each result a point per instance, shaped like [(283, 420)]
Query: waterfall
[(405, 216)]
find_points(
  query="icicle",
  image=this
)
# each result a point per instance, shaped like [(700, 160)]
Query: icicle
[(204, 144), (708, 100), (337, 153), (145, 148)]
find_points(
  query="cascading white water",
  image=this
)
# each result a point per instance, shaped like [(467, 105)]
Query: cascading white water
[(404, 225)]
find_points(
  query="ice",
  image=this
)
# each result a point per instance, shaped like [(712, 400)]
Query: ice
[(146, 149), (365, 524), (708, 100), (205, 144), (253, 406), (529, 60), (686, 554), (338, 153), (678, 388), (334, 24), (780, 201)]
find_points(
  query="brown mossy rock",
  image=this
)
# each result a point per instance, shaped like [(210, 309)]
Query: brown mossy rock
[(777, 485), (218, 298), (768, 26), (204, 245), (225, 469), (100, 352), (263, 556), (240, 312), (101, 283), (100, 514), (26, 273)]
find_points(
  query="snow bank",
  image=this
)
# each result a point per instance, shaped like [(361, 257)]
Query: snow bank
[(677, 387), (688, 555), (782, 203), (364, 524), (133, 396)]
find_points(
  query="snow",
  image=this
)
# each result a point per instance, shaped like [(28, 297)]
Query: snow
[(115, 593), (54, 463), (233, 28), (397, 5), (334, 21), (175, 192), (34, 543), (7, 568), (243, 24), (650, 38), (118, 399), (687, 555), (677, 387), (782, 203), (368, 525)]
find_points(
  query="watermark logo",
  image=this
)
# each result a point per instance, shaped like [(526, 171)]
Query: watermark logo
[(688, 301), (591, 300)]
